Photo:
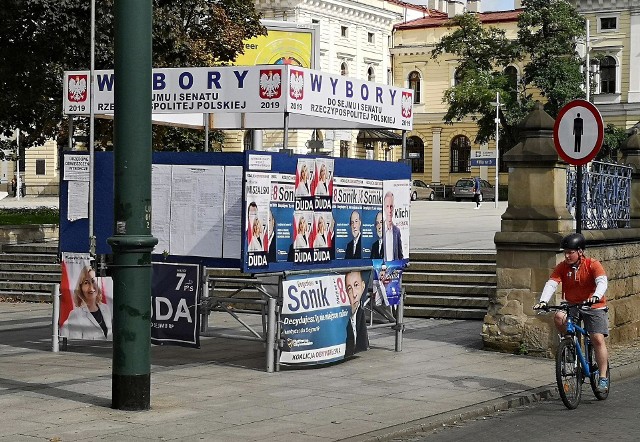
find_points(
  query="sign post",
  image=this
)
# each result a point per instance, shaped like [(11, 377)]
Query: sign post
[(578, 134)]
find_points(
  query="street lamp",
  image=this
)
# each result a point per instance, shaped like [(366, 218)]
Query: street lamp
[(497, 104)]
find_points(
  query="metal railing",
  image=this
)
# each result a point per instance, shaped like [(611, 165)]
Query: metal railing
[(606, 195)]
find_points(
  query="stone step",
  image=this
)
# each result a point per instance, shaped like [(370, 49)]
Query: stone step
[(452, 267), (28, 276), (447, 301), (452, 256), (444, 312), (40, 287), (28, 257), (28, 267), (24, 296), (448, 277), (448, 289), (50, 248)]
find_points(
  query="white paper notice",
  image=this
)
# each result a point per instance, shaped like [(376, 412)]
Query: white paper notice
[(78, 200), (197, 210), (161, 206), (76, 167), (232, 212)]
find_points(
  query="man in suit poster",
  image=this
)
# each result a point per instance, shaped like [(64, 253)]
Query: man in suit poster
[(354, 247), (357, 337)]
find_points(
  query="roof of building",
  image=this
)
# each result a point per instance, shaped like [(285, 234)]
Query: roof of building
[(422, 8), (437, 19)]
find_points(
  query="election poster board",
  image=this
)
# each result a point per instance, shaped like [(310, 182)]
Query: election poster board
[(323, 318), (86, 301), (175, 290)]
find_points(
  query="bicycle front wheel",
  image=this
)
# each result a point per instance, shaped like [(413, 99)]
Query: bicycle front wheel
[(569, 373), (594, 379)]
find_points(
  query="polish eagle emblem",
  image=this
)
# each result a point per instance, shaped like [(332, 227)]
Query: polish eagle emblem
[(296, 85), (407, 104), (270, 82), (77, 88)]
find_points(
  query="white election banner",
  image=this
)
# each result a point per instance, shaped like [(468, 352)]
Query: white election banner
[(254, 90)]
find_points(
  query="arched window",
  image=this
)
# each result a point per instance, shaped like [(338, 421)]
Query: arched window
[(460, 154), (512, 77), (344, 68), (414, 83), (415, 152), (371, 74), (457, 77), (608, 75), (247, 142)]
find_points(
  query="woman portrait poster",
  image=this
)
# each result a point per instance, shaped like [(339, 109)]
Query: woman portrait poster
[(85, 302)]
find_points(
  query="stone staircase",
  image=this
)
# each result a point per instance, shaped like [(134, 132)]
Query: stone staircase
[(439, 284), (28, 272), (449, 284)]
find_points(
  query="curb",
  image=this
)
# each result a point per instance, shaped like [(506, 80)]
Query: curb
[(427, 424)]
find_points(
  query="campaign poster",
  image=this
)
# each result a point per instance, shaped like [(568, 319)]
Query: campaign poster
[(396, 215), (281, 230), (371, 213), (322, 237), (86, 301), (347, 214), (303, 237), (174, 304), (305, 170), (322, 185), (258, 199), (387, 282), (317, 319)]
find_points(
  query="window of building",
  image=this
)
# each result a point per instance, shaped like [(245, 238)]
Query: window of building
[(415, 153), (371, 37), (460, 154), (512, 77), (608, 23), (502, 166), (40, 167), (344, 149), (315, 21), (457, 77), (414, 83), (344, 68), (344, 31), (608, 75), (371, 74), (248, 140)]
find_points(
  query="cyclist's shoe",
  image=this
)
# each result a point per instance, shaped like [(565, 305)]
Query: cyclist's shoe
[(603, 385)]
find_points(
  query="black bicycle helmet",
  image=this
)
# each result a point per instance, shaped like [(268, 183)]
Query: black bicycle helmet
[(573, 241)]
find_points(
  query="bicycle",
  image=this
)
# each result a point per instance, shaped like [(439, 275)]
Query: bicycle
[(571, 366)]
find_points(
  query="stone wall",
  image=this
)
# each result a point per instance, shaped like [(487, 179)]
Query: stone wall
[(28, 233)]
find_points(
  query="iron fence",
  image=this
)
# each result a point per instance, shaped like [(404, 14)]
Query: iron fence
[(606, 195)]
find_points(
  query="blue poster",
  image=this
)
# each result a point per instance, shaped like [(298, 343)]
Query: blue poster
[(347, 214), (387, 282), (174, 304), (371, 213), (281, 217)]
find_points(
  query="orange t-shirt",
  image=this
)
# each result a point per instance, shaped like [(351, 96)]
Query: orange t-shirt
[(578, 285)]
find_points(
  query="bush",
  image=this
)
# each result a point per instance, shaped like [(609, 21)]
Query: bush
[(22, 216)]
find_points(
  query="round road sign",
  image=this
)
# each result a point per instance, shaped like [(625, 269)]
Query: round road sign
[(578, 132)]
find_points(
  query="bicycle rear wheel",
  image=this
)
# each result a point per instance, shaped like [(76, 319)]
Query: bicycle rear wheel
[(569, 375), (595, 375)]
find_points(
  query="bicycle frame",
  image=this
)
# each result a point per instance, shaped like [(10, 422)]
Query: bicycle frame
[(572, 328)]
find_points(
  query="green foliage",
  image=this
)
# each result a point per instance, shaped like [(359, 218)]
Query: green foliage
[(22, 216), (40, 39), (547, 31), (614, 138)]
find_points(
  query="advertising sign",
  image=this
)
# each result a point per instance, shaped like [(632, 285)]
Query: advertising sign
[(323, 318), (174, 302), (86, 301), (293, 47)]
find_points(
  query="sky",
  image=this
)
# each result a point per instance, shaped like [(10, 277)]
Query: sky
[(496, 5)]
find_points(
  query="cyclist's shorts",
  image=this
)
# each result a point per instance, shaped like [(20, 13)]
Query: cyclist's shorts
[(595, 321)]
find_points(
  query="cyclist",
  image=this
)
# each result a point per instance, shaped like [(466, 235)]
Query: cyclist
[(583, 280)]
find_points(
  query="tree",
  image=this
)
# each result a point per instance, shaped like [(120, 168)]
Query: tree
[(40, 39), (614, 138), (547, 32)]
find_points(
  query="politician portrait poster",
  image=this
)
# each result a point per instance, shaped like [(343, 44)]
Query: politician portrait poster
[(396, 213), (257, 203), (281, 217)]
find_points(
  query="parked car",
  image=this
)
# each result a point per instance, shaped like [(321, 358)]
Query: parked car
[(421, 190), (464, 190)]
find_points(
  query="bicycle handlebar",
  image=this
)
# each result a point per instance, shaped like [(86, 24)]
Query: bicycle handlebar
[(565, 306)]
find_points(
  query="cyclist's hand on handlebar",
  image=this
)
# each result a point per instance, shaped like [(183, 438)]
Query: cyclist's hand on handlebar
[(593, 300), (540, 306)]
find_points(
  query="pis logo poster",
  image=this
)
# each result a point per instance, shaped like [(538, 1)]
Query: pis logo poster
[(270, 83), (77, 88)]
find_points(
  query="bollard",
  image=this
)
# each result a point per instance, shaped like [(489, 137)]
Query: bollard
[(55, 340), (399, 322), (271, 333)]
